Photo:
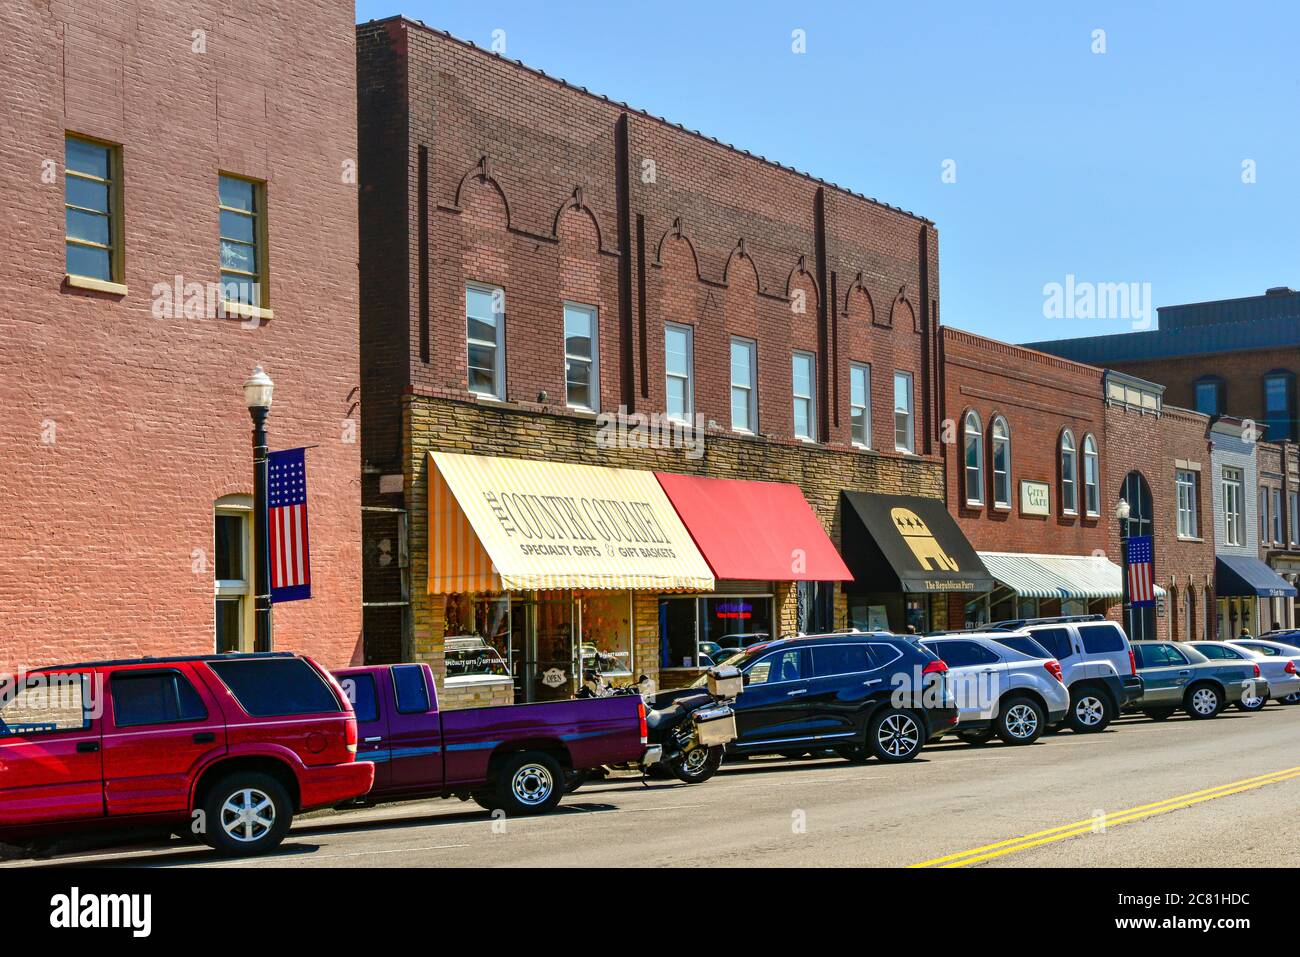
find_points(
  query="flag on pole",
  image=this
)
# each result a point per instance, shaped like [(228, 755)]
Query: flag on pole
[(1141, 571), (287, 518)]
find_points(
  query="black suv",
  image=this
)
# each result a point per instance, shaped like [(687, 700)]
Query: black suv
[(860, 693)]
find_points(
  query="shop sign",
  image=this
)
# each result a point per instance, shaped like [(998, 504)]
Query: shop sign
[(1035, 498), (554, 677)]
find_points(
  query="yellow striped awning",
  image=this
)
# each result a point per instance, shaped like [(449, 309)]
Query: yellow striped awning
[(501, 524)]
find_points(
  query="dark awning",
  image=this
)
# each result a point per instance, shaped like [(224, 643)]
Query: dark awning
[(909, 544), (1236, 575)]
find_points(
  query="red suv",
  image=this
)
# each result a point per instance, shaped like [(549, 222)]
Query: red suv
[(228, 747)]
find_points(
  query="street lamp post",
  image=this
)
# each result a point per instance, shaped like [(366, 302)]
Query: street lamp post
[(1122, 511), (257, 396)]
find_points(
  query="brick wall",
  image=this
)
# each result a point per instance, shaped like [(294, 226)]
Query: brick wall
[(121, 430)]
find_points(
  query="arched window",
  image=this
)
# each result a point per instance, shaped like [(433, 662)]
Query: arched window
[(1189, 614), (1069, 475), (1091, 486), (974, 449), (1001, 463)]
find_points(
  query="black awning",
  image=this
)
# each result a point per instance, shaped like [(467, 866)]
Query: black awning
[(907, 543), (1238, 575)]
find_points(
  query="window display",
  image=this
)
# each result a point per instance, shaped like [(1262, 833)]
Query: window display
[(699, 632)]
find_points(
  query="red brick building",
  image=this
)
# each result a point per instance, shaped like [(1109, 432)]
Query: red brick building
[(589, 257), (1279, 526), (208, 143)]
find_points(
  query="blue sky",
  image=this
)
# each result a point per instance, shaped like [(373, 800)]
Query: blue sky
[(1115, 167)]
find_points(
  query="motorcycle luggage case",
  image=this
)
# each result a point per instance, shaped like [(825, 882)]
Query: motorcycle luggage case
[(725, 681), (715, 726)]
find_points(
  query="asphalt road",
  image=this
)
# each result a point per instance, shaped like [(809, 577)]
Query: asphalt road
[(1178, 793)]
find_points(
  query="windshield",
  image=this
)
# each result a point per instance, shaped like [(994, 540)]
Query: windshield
[(734, 658)]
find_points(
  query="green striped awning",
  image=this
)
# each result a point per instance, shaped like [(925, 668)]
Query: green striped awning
[(1056, 576)]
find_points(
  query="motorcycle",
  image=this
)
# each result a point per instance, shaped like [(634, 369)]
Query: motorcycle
[(686, 737)]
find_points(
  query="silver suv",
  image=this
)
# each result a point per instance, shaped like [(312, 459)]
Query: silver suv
[(1096, 662), (1000, 690)]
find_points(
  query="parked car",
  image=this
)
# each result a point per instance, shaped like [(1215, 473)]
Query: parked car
[(863, 694), (511, 757), (1279, 673), (1000, 689), (1096, 663), (1177, 676), (1274, 649), (229, 747)]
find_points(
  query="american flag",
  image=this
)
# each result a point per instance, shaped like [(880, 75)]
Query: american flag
[(1141, 571), (287, 508)]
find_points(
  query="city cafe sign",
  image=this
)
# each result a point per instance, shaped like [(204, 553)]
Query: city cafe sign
[(1035, 498)]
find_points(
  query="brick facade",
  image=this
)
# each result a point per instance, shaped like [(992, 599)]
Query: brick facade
[(1279, 545), (123, 429)]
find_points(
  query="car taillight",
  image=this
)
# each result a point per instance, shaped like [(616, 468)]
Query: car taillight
[(1256, 670), (1290, 668), (350, 735), (1132, 661), (1054, 668), (645, 731), (938, 666)]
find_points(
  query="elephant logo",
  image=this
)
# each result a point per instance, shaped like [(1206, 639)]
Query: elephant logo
[(921, 540)]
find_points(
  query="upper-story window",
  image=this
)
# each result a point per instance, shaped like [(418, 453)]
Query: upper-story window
[(581, 357), (1279, 406), (1091, 477), (92, 204), (1293, 517), (1069, 474), (240, 203), (1263, 515), (679, 361), (1234, 507), (1001, 463), (904, 426), (744, 390), (1188, 524), (1209, 395), (973, 451), (1277, 515), (805, 405), (485, 316), (860, 405)]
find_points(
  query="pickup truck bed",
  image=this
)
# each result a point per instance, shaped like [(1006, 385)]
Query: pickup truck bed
[(511, 758)]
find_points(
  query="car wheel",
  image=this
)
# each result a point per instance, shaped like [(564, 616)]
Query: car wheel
[(529, 783), (246, 813), (1293, 698), (1160, 715), (1090, 711), (696, 765), (1203, 701), (1021, 721), (1252, 702), (981, 736), (895, 736)]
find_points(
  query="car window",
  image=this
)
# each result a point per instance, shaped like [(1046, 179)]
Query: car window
[(1026, 646), (154, 697), (883, 655), (360, 690), (958, 654), (1140, 656), (778, 666), (44, 703), (1055, 640), (411, 688), (840, 660), (276, 687), (1215, 651), (1175, 657), (1101, 639), (1262, 648)]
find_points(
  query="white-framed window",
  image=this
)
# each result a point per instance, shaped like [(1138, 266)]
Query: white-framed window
[(803, 367), (679, 371), (744, 385), (1234, 507), (860, 404), (1091, 476), (973, 454), (581, 357), (1001, 463), (1277, 515), (232, 570), (1187, 504), (1069, 474), (485, 318), (904, 426)]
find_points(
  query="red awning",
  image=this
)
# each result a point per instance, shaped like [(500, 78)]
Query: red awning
[(763, 531)]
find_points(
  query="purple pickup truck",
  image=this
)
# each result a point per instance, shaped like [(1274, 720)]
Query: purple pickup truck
[(512, 758)]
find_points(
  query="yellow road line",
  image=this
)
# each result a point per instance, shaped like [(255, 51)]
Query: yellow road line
[(1038, 838)]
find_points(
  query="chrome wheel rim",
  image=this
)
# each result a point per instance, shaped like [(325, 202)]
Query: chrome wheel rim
[(1089, 710), (1021, 721), (248, 815), (1252, 701), (532, 784), (693, 761), (1205, 701), (898, 735)]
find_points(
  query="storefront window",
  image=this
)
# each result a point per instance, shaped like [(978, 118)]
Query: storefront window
[(606, 622), (478, 635), (694, 632), (977, 612)]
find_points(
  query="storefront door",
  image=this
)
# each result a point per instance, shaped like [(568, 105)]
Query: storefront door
[(550, 666)]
